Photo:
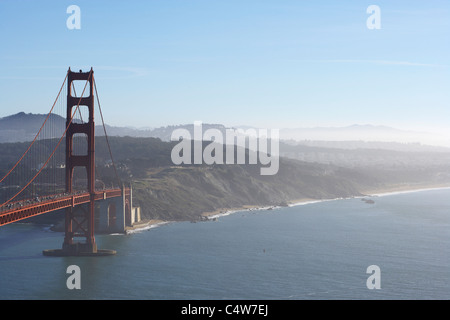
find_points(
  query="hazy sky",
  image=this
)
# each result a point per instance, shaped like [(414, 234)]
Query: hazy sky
[(269, 63)]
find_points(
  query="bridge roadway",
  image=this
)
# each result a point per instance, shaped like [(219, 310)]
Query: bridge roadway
[(32, 207)]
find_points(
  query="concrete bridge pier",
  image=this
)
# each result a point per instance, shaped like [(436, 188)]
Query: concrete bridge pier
[(114, 215), (111, 216)]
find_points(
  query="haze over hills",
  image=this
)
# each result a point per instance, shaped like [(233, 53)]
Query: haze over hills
[(366, 133), (22, 127), (309, 169), (352, 146), (354, 136)]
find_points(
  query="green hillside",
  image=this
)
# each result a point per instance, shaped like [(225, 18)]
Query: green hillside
[(168, 192)]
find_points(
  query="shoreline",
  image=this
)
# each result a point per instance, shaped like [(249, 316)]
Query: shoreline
[(145, 226), (222, 212), (402, 190)]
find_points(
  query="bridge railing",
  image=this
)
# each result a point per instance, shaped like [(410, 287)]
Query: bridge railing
[(78, 197)]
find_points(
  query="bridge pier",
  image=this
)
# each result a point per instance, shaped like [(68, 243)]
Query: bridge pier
[(114, 215), (78, 250), (81, 216), (111, 216)]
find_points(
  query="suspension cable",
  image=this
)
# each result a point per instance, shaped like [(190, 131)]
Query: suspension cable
[(106, 135), (54, 150), (34, 140)]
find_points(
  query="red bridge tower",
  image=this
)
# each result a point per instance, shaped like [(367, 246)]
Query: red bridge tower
[(79, 220)]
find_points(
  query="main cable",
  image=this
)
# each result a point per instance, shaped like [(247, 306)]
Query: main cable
[(59, 142)]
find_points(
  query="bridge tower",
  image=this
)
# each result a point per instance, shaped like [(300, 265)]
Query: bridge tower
[(79, 221)]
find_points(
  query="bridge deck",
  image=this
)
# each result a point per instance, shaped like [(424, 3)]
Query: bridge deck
[(33, 207)]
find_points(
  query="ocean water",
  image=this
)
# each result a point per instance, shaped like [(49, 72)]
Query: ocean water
[(311, 251)]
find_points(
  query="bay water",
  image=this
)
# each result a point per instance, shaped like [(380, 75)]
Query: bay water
[(311, 251)]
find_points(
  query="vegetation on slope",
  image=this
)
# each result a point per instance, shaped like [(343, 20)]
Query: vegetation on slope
[(168, 192)]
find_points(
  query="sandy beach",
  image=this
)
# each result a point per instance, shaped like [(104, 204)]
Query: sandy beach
[(145, 225), (404, 189), (212, 215)]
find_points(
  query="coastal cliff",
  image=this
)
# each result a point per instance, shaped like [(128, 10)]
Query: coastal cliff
[(187, 192)]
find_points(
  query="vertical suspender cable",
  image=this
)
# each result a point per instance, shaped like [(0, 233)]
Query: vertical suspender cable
[(34, 140), (106, 135)]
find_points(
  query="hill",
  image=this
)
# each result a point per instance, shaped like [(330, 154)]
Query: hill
[(308, 169), (168, 192), (22, 127)]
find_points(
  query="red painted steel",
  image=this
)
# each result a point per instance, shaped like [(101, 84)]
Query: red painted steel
[(79, 221), (72, 226), (58, 202)]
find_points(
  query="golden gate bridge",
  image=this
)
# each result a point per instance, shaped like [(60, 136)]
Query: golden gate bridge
[(47, 177)]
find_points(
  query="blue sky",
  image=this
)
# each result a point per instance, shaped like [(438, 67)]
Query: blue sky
[(268, 63)]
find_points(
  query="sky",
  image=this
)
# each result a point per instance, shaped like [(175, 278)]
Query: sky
[(266, 63)]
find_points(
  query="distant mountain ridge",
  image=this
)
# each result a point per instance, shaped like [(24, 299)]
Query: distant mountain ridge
[(365, 133), (23, 127)]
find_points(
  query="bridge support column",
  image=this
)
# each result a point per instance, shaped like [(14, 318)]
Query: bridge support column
[(80, 222), (111, 216)]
